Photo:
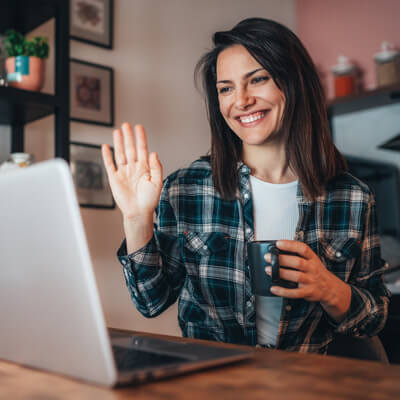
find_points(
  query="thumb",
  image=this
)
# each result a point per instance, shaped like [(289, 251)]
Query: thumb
[(155, 168)]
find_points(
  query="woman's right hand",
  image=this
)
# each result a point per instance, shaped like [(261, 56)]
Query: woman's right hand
[(136, 177)]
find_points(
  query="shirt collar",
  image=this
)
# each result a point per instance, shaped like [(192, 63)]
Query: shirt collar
[(245, 171), (242, 168)]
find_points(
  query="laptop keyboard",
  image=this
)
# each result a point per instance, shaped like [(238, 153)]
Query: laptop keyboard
[(128, 359)]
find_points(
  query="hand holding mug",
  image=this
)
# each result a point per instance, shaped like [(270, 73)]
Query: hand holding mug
[(315, 281)]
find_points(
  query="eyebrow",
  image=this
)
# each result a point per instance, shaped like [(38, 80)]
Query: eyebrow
[(245, 76)]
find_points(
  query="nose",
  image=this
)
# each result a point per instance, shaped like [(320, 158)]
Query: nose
[(243, 99)]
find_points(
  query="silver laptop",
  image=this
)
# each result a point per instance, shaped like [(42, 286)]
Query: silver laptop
[(50, 312)]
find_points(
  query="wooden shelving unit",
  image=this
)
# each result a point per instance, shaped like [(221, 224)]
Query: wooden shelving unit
[(368, 99), (19, 107)]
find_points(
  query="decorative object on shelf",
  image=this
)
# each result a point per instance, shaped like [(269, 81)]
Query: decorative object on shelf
[(17, 160), (91, 93), (90, 176), (387, 63), (345, 75), (91, 21), (25, 63)]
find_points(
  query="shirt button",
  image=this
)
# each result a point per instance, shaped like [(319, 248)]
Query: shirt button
[(246, 195), (338, 254), (248, 230), (288, 308), (249, 304), (205, 247)]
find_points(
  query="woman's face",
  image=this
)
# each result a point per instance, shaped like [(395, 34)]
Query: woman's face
[(250, 102)]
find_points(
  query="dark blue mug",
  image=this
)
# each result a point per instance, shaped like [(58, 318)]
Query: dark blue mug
[(260, 281)]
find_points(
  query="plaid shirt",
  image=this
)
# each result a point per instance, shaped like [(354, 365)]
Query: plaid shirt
[(198, 255)]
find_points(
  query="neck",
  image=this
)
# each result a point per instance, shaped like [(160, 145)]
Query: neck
[(268, 163)]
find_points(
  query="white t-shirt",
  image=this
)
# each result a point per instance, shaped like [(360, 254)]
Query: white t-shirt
[(275, 217)]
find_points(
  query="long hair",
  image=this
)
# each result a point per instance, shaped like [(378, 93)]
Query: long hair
[(304, 127)]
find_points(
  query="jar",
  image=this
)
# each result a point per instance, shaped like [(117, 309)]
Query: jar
[(387, 63), (345, 76), (21, 159)]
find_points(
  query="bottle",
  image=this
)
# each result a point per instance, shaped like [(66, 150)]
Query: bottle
[(345, 74), (387, 63)]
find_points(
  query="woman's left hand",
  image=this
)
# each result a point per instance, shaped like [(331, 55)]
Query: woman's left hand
[(315, 282)]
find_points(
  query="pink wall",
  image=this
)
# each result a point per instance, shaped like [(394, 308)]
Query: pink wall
[(354, 28)]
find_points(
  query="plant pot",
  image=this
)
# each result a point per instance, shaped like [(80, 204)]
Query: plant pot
[(25, 72)]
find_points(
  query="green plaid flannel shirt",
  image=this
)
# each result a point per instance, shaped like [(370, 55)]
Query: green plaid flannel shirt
[(198, 256)]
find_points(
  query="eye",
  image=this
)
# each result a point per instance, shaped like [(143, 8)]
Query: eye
[(258, 79), (224, 89)]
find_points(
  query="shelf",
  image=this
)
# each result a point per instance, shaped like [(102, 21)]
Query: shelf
[(19, 107), (36, 12), (22, 106), (368, 99)]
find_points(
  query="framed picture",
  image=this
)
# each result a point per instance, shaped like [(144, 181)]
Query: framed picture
[(90, 176), (91, 21), (91, 93)]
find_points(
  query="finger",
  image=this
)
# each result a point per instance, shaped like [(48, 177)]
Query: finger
[(108, 160), (141, 143), (288, 275), (289, 261), (120, 158), (295, 246), (296, 262), (280, 291), (129, 142), (155, 169)]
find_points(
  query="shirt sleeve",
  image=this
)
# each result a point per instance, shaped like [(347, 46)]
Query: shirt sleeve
[(369, 296), (155, 273)]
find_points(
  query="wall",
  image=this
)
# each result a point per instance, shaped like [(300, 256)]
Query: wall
[(157, 44), (354, 28)]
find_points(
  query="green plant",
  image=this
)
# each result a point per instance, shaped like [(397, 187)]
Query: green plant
[(17, 45)]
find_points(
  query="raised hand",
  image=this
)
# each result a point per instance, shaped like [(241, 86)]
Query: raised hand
[(136, 177)]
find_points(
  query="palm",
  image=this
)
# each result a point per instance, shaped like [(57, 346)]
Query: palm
[(134, 193), (136, 179)]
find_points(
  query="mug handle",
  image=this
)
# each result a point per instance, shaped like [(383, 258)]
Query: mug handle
[(275, 264)]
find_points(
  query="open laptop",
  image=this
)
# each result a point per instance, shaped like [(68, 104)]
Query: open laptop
[(50, 312)]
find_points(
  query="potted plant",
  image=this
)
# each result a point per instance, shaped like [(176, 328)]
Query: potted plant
[(25, 62)]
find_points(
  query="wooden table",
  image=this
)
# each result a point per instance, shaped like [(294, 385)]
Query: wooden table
[(271, 374)]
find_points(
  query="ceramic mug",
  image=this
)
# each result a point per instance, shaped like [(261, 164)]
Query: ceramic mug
[(260, 281)]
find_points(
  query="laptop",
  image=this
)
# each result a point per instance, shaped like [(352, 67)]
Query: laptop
[(50, 311)]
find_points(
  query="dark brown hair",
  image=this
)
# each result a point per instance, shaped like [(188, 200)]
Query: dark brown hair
[(310, 151)]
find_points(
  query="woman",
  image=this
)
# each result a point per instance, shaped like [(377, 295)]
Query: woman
[(273, 173)]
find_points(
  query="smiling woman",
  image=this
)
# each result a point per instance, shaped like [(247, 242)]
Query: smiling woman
[(261, 66), (273, 173), (248, 98)]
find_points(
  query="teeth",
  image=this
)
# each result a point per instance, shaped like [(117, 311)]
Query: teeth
[(251, 118)]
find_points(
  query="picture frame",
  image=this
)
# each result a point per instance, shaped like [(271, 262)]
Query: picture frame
[(92, 22), (91, 93), (90, 176)]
